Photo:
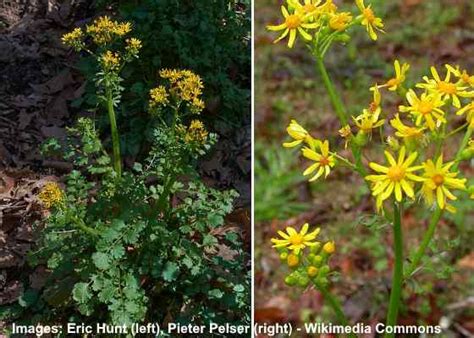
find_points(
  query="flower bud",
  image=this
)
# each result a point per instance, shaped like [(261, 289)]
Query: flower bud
[(361, 139), (284, 256), (303, 281), (323, 271), (312, 271), (292, 260), (315, 248), (290, 280), (329, 247), (317, 260)]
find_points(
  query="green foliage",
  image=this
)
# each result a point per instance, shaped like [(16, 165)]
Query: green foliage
[(275, 196)]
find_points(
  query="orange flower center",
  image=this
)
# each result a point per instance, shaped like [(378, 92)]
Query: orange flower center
[(292, 260), (425, 107), (296, 239), (465, 77), (293, 21), (368, 13), (447, 88), (438, 179), (324, 161), (396, 173)]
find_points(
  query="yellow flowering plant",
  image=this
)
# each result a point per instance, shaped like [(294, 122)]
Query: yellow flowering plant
[(421, 167)]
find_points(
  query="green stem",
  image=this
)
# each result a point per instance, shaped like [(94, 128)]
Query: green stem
[(397, 278), (335, 99), (424, 243), (117, 161), (334, 303), (464, 142), (457, 130)]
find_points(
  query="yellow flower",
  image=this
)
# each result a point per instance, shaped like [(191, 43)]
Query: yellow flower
[(133, 46), (425, 108), (103, 30), (293, 23), (185, 86), (405, 131), (292, 260), (395, 179), (312, 271), (296, 241), (329, 7), (439, 180), (368, 120), (377, 98), (308, 10), (51, 195), (340, 21), (445, 88), (469, 110), (110, 60), (463, 75), (196, 133), (158, 96), (400, 76), (324, 161), (369, 20), (329, 247), (74, 38), (298, 133), (346, 133)]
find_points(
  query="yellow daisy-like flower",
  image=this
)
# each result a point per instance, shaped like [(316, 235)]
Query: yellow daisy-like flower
[(469, 111), (397, 178), (298, 133), (400, 76), (196, 133), (368, 120), (445, 88), (324, 161), (438, 181), (133, 46), (309, 9), (329, 7), (74, 38), (405, 131), (369, 20), (296, 241), (340, 21), (51, 195), (463, 75), (293, 23), (425, 108)]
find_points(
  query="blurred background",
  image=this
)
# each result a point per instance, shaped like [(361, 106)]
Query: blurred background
[(422, 33)]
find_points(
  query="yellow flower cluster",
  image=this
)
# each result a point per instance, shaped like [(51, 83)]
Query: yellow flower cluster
[(110, 60), (104, 30), (306, 265), (74, 39), (419, 122), (158, 97), (185, 86), (300, 18), (51, 195), (195, 134), (133, 46)]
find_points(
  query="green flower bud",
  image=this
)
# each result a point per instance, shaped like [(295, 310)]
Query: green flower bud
[(315, 248), (284, 256), (317, 261), (303, 281), (361, 139), (290, 280)]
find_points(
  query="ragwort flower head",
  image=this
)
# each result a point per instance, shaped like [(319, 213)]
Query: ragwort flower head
[(308, 9), (158, 97), (51, 195), (196, 133), (369, 20), (425, 109), (110, 61), (404, 131), (445, 87), (104, 30), (469, 111), (463, 76), (340, 21), (74, 39), (185, 86), (397, 178), (324, 161), (294, 23), (368, 120), (438, 182), (298, 133), (400, 75), (296, 241), (133, 46)]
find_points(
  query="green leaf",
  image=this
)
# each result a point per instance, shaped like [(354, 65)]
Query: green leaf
[(170, 272), (101, 260), (81, 293), (28, 298), (216, 293)]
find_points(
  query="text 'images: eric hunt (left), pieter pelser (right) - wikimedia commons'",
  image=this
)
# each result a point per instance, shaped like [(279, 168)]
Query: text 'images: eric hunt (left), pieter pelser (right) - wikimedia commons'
[(236, 168)]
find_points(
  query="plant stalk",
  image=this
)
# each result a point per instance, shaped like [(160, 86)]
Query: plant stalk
[(117, 160), (397, 278), (424, 243), (334, 303)]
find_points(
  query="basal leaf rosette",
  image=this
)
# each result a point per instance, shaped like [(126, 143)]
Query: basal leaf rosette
[(306, 258)]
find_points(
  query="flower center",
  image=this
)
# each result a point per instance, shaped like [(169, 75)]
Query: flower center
[(369, 14), (447, 88), (293, 21), (425, 107), (438, 179), (324, 161), (396, 173), (308, 8), (296, 239)]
